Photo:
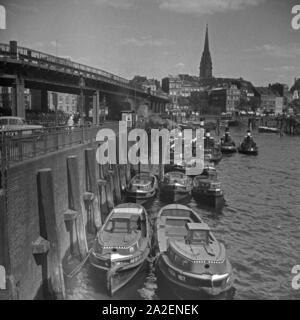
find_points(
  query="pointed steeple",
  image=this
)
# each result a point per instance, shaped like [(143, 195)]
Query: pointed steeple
[(206, 62), (206, 45)]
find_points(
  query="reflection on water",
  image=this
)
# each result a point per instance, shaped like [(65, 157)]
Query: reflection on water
[(260, 226)]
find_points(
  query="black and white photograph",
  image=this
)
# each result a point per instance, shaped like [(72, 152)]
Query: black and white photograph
[(150, 152)]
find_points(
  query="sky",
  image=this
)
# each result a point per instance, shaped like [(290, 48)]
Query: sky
[(252, 39)]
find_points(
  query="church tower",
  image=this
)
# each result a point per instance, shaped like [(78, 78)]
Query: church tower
[(206, 62)]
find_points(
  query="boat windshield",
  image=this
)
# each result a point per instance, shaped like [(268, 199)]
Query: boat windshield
[(198, 236)]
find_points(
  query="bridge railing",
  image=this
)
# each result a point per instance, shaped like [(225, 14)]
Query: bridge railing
[(20, 145), (65, 65)]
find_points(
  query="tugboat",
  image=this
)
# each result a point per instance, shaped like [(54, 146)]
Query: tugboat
[(248, 146), (227, 144), (175, 186), (191, 260), (207, 189), (143, 186), (122, 245), (212, 151)]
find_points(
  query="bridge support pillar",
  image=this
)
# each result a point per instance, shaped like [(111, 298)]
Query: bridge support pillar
[(96, 108), (44, 101), (18, 98)]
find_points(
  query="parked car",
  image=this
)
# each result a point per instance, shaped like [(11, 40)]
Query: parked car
[(12, 125)]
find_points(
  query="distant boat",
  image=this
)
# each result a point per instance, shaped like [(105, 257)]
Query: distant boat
[(191, 261), (248, 148), (122, 245), (143, 186), (175, 186), (262, 129)]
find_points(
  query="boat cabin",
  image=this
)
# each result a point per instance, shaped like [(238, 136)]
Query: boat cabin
[(198, 233), (125, 221)]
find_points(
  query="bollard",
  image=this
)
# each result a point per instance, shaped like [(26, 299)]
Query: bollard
[(75, 203), (48, 230), (91, 186)]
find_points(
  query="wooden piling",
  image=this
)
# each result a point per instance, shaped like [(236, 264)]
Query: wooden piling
[(104, 207), (75, 203), (49, 231), (110, 190), (128, 173), (91, 186), (122, 170), (117, 187)]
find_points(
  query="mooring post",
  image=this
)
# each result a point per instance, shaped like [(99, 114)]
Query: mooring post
[(55, 277), (75, 203), (91, 186)]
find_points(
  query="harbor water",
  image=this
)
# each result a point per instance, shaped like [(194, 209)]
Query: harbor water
[(259, 225)]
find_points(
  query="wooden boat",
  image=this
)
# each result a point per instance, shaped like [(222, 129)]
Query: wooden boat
[(191, 260), (143, 186), (176, 185), (268, 130), (207, 189), (122, 245)]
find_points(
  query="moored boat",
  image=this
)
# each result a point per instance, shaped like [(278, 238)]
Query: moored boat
[(262, 129), (122, 245), (191, 260), (207, 189), (175, 186), (143, 186)]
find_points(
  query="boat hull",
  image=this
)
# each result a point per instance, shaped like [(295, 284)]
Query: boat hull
[(248, 152), (140, 196), (228, 149), (215, 201), (167, 193), (192, 288), (116, 278)]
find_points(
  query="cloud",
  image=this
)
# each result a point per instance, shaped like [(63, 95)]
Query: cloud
[(117, 4), (147, 42), (287, 51), (201, 7)]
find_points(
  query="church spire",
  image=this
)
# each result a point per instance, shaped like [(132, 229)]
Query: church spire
[(206, 45), (206, 62)]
